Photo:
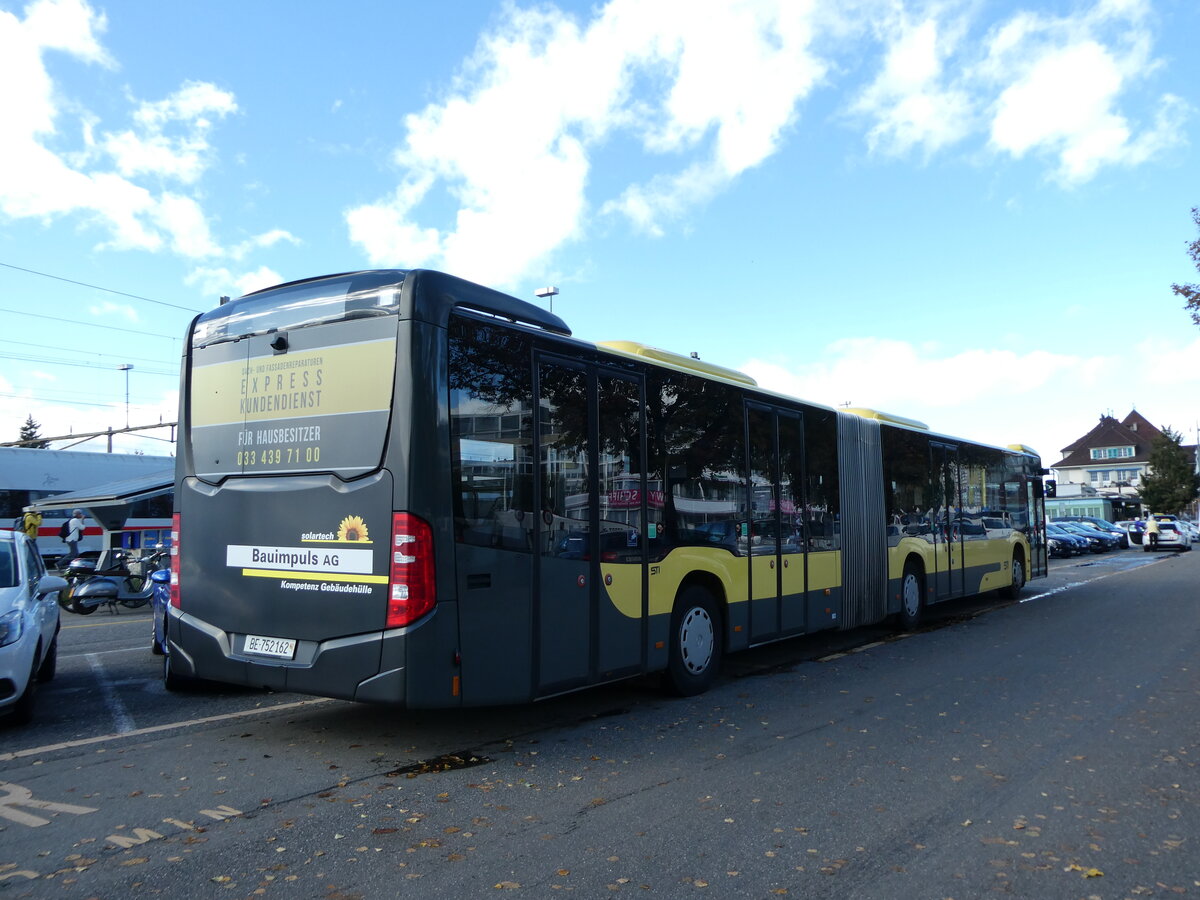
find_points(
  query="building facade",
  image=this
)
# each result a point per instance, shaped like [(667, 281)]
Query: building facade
[(1110, 460)]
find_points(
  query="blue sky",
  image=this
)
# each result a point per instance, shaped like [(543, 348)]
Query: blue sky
[(968, 213)]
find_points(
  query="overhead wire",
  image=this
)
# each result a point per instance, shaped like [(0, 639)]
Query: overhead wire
[(110, 405), (75, 362), (97, 287), (18, 312), (60, 361)]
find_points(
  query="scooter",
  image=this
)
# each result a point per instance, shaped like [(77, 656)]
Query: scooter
[(126, 581)]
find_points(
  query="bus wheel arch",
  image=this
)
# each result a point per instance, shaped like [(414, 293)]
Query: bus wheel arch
[(697, 637), (912, 593)]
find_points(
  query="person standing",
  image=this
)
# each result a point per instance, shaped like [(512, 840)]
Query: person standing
[(74, 536), (30, 524), (1152, 531)]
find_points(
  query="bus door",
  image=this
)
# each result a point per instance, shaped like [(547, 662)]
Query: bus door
[(1036, 526), (947, 535), (590, 586), (776, 541)]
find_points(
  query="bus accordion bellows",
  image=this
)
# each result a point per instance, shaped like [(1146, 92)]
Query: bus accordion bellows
[(401, 487)]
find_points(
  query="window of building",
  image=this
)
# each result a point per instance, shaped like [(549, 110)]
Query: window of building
[(1111, 452)]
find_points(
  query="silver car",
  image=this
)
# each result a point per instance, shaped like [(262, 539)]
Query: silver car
[(28, 625)]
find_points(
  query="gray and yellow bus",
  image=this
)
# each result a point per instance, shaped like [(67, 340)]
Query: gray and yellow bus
[(402, 487)]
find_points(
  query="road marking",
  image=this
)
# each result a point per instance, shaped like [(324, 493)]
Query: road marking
[(120, 715), (140, 620), (154, 729), (139, 648), (15, 795), (1126, 566)]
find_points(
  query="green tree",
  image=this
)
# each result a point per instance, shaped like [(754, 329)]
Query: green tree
[(30, 432), (1191, 292), (1172, 483)]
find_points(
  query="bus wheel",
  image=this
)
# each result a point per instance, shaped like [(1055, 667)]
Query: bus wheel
[(1018, 577), (912, 596), (695, 654)]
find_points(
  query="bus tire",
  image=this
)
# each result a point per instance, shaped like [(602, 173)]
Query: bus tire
[(912, 596), (695, 653), (1013, 591)]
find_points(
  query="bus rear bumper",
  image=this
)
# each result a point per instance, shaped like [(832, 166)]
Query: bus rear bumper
[(347, 668)]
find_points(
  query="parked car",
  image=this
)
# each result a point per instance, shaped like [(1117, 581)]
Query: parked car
[(1074, 543), (29, 624), (1112, 540), (1190, 529), (1133, 528), (1121, 534), (1170, 537), (1098, 542), (1059, 548)]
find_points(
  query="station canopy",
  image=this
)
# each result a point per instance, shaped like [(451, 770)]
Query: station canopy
[(111, 504)]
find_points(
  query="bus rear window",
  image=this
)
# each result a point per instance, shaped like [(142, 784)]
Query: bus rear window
[(300, 305)]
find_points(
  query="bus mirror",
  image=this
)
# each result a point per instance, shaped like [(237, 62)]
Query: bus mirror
[(1051, 487)]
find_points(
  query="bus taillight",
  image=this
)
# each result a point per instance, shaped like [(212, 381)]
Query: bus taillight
[(175, 561), (412, 592)]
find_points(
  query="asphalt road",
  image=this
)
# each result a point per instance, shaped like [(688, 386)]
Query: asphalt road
[(1045, 748)]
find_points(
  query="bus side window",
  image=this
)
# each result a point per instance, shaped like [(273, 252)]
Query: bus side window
[(491, 435)]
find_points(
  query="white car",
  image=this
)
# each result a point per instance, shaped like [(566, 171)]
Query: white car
[(1170, 537), (28, 625)]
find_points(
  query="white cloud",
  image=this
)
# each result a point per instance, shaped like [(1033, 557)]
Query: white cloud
[(183, 219), (151, 151), (222, 282), (910, 100), (512, 145), (113, 180), (261, 241), (1061, 81), (108, 309), (1045, 85)]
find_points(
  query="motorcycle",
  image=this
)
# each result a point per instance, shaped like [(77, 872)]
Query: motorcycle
[(126, 582)]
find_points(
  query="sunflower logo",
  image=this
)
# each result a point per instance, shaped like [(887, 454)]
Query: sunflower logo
[(352, 528)]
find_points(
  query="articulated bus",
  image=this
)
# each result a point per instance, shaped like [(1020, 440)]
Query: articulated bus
[(405, 488)]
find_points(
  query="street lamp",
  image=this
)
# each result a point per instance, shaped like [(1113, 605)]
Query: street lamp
[(547, 292), (125, 367)]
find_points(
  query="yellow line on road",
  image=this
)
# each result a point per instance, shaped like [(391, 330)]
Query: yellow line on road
[(154, 729), (140, 620)]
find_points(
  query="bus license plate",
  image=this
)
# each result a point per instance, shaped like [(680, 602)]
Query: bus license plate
[(281, 648)]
